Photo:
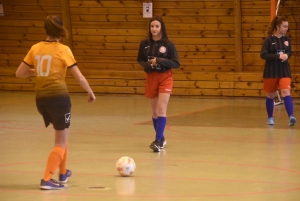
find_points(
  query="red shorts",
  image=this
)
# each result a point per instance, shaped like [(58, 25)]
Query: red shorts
[(273, 84), (158, 83)]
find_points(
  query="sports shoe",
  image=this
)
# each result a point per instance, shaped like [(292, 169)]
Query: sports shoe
[(51, 185), (63, 178), (293, 120), (157, 145), (270, 121), (162, 143)]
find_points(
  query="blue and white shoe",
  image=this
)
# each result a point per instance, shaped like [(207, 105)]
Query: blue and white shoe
[(270, 121), (63, 178), (293, 120), (51, 185)]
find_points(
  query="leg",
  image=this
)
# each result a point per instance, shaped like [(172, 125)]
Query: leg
[(284, 86), (154, 105), (286, 94), (162, 85), (270, 87), (288, 103), (57, 154), (55, 158), (159, 109), (270, 107), (163, 100), (63, 164), (61, 137)]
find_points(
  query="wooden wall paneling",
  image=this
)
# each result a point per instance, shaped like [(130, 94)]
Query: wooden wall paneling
[(194, 4), (207, 68), (133, 39), (104, 4), (105, 36), (22, 36), (31, 9), (255, 23), (52, 3), (66, 18), (133, 53), (16, 43), (132, 46), (238, 36), (21, 27), (24, 30)]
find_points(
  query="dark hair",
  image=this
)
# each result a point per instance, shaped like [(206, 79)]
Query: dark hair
[(277, 20), (54, 27), (162, 30)]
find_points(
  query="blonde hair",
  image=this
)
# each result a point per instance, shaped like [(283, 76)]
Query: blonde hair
[(54, 27)]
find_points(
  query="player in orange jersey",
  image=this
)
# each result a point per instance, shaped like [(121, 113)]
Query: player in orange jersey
[(48, 61)]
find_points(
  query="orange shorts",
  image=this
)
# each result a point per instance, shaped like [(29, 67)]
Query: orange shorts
[(273, 84), (158, 83)]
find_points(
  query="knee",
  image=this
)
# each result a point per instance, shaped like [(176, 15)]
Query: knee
[(285, 92), (270, 95), (162, 111), (154, 114)]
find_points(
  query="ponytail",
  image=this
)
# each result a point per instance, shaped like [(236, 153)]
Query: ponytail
[(277, 20), (54, 27)]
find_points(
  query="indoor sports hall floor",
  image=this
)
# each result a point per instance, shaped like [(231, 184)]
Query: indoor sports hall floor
[(217, 150)]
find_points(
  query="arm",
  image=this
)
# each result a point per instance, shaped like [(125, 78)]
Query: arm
[(264, 53), (172, 61), (141, 56), (24, 71), (289, 47), (83, 82)]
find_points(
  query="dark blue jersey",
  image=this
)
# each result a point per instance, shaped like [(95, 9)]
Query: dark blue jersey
[(164, 51), (270, 51)]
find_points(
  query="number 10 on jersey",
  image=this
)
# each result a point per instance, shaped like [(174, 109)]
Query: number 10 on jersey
[(41, 60)]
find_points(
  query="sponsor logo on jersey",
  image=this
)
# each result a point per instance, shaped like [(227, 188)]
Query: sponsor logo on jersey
[(286, 43)]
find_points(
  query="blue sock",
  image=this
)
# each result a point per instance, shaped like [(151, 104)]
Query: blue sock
[(154, 123), (289, 105), (160, 127), (270, 106)]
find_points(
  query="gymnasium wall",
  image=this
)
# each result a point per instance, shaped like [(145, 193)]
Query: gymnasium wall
[(218, 43)]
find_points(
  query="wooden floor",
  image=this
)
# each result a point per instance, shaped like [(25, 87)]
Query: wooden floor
[(217, 150)]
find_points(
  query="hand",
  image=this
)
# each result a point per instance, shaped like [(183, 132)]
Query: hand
[(283, 57), (153, 62), (92, 97)]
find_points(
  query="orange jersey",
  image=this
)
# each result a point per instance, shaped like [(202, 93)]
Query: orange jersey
[(50, 60)]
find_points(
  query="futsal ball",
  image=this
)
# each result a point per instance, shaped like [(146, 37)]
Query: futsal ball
[(125, 166)]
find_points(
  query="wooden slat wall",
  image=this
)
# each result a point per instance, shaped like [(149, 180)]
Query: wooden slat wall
[(106, 36), (291, 9), (256, 20), (21, 26)]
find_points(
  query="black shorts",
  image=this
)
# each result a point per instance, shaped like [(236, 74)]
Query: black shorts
[(56, 110)]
